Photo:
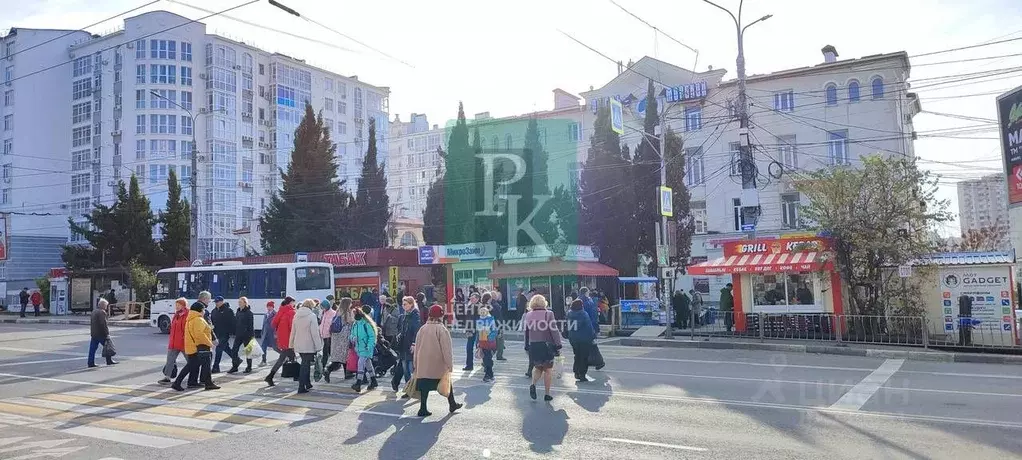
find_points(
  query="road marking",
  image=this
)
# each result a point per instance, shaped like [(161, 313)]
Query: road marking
[(855, 398), (606, 356), (76, 382), (655, 444), (44, 361), (124, 437)]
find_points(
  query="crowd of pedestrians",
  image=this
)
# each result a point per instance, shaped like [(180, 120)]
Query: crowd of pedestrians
[(315, 339)]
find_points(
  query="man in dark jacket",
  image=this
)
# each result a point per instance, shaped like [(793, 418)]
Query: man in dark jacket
[(593, 312), (682, 309), (497, 310), (408, 327), (244, 332), (23, 298), (222, 318), (99, 331), (727, 306)]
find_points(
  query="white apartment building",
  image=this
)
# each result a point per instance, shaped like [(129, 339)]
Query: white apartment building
[(239, 103), (983, 202), (413, 165), (820, 116)]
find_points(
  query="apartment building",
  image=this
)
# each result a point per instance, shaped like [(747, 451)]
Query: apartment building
[(234, 104), (983, 202)]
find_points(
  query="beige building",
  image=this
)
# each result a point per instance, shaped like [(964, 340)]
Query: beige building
[(983, 202)]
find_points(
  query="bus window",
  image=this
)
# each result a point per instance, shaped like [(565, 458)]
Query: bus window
[(276, 283), (195, 282), (166, 286), (257, 278), (312, 278), (240, 283), (225, 285)]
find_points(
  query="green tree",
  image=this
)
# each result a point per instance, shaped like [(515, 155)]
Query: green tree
[(142, 280), (645, 174), (311, 211), (607, 206), (116, 233), (433, 219), (175, 222), (880, 216), (135, 218), (372, 206), (460, 202), (674, 160)]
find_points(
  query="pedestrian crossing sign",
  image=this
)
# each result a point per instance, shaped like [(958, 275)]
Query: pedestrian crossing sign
[(666, 201)]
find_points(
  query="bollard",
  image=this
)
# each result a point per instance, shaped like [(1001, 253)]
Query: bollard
[(762, 319)]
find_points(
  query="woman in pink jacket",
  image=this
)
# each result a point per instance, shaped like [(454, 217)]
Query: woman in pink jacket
[(329, 312)]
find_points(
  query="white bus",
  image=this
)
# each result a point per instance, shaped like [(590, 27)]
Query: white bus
[(260, 283)]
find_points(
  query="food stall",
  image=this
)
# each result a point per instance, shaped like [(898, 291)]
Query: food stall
[(639, 303), (556, 272), (468, 264), (779, 276)]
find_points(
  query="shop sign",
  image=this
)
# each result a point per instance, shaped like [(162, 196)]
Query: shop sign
[(519, 253), (59, 272), (346, 259), (392, 285), (686, 92), (427, 255), (990, 291), (454, 253), (776, 246), (580, 253)]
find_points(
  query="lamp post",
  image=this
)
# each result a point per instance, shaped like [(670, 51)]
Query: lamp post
[(194, 237)]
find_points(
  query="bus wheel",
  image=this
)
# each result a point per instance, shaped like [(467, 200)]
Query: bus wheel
[(164, 324)]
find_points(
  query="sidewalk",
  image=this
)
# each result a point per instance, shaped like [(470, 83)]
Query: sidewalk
[(831, 348), (68, 320)]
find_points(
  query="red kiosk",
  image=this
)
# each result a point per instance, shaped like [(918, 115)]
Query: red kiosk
[(779, 276)]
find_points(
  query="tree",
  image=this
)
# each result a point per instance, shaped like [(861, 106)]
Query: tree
[(879, 216), (135, 218), (115, 234), (433, 214), (674, 160), (460, 202), (175, 222), (311, 211), (990, 238), (142, 280), (607, 206), (645, 174), (372, 206)]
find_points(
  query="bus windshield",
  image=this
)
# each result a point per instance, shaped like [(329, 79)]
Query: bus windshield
[(312, 278), (166, 286)]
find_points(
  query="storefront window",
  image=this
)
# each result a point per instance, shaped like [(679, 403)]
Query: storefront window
[(782, 292)]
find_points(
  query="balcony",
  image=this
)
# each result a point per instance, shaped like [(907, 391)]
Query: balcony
[(246, 141)]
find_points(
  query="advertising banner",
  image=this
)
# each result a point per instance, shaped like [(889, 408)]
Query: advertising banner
[(990, 290), (3, 237), (1009, 117)]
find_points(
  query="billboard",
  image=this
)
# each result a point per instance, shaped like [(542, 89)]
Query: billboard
[(4, 241), (1009, 117)]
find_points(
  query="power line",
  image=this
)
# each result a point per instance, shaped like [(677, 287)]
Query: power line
[(81, 29)]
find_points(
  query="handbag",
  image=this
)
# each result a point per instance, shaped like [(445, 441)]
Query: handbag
[(108, 348), (290, 369), (352, 362), (412, 388), (444, 387), (336, 325)]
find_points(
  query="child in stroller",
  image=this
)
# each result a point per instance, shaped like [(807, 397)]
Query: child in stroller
[(384, 358)]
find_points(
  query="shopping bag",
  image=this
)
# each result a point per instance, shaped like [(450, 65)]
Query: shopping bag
[(290, 370), (412, 388), (108, 348), (352, 362), (595, 357), (317, 373), (253, 350), (559, 365), (444, 387)]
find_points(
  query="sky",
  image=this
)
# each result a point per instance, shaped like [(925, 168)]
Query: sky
[(506, 57)]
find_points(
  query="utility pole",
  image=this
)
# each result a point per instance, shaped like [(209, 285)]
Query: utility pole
[(747, 164), (664, 239)]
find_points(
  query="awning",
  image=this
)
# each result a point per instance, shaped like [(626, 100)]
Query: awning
[(763, 263), (552, 268)]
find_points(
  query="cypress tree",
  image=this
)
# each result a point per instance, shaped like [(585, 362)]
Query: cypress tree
[(175, 222), (372, 206)]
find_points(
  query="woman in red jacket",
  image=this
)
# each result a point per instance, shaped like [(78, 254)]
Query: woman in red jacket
[(176, 342), (282, 327)]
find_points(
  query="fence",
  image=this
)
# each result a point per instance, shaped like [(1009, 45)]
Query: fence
[(864, 329)]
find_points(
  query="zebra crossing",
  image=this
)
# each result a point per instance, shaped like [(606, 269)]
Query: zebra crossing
[(158, 417)]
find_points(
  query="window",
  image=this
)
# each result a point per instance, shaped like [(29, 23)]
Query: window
[(8, 98), (140, 124), (186, 100), (8, 147), (507, 142), (311, 278), (81, 89), (81, 160), (80, 113), (162, 124), (186, 76), (262, 70), (9, 121), (139, 49), (328, 104), (81, 66), (878, 87), (140, 149), (224, 80), (735, 157), (163, 101), (831, 91), (789, 210), (163, 49), (784, 292), (853, 91), (739, 214), (186, 150), (186, 125), (787, 153), (162, 74), (186, 175), (157, 173), (342, 107), (80, 183), (328, 124), (574, 132), (81, 136), (694, 166), (140, 74), (9, 73), (784, 100), (186, 51), (693, 119), (328, 84), (140, 98), (837, 145), (342, 128), (9, 47), (699, 217)]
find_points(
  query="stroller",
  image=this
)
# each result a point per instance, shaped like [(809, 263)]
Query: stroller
[(384, 358)]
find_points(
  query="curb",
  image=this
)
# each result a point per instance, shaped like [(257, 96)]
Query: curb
[(75, 322), (911, 355)]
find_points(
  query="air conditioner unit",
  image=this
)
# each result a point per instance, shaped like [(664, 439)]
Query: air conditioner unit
[(116, 107), (111, 183), (263, 145), (237, 67), (71, 54), (246, 115), (116, 133), (131, 45), (202, 110), (202, 76), (106, 62), (200, 158)]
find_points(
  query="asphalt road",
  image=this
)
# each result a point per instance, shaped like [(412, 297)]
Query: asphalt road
[(647, 403)]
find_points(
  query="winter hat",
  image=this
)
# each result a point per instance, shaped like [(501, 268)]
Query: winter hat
[(330, 297), (576, 305), (436, 312), (198, 307), (270, 304)]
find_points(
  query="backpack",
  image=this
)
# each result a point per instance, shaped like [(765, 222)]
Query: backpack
[(336, 325)]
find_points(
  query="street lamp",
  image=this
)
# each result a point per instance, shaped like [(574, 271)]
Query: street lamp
[(194, 237)]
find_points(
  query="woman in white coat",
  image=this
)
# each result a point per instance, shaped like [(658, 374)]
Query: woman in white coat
[(306, 342)]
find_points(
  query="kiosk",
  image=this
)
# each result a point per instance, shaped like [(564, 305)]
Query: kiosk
[(639, 304)]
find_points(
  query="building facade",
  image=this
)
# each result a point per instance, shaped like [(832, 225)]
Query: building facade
[(821, 116), (414, 164), (140, 100), (983, 203)]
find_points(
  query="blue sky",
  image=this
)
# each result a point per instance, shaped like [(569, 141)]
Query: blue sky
[(506, 57)]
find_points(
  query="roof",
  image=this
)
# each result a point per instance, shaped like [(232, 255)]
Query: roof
[(785, 262), (824, 67), (638, 279), (968, 258), (552, 268)]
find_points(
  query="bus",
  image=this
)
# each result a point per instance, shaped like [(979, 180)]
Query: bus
[(260, 283)]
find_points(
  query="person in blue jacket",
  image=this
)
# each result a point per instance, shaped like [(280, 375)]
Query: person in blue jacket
[(593, 312), (582, 338), (269, 338)]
